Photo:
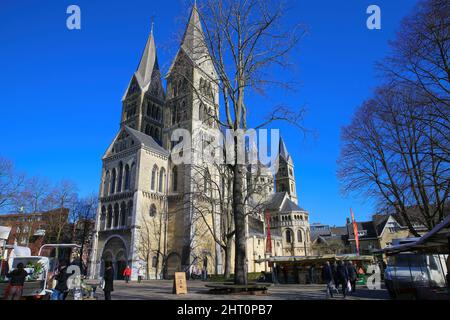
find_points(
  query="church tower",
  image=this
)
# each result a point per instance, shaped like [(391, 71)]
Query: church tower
[(285, 178), (192, 104), (143, 101)]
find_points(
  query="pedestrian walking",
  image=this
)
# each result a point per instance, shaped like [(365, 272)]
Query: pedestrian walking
[(108, 279), (61, 277), (140, 274), (16, 280), (335, 275), (352, 275), (342, 274), (127, 274), (327, 276)]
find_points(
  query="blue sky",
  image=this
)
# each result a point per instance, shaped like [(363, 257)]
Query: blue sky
[(61, 90)]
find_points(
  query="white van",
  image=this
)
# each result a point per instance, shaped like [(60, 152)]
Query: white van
[(36, 282), (405, 272)]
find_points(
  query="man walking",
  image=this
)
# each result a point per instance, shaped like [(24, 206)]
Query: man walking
[(59, 293), (327, 276), (352, 275), (342, 274), (108, 279)]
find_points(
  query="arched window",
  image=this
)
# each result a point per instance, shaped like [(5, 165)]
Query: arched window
[(288, 236), (123, 214), (147, 129), (299, 236), (119, 180), (109, 219), (152, 210), (132, 175), (206, 182), (174, 179), (103, 219), (116, 215), (106, 184), (154, 262), (162, 179), (130, 208), (174, 114), (127, 177), (154, 177), (113, 181)]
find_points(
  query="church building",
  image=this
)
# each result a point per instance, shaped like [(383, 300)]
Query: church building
[(148, 216)]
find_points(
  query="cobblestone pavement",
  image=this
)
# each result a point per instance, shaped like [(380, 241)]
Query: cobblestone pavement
[(162, 290)]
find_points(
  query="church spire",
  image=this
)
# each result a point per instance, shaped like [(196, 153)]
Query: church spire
[(148, 63), (282, 150), (193, 42)]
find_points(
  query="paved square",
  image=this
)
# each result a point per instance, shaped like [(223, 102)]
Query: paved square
[(162, 290)]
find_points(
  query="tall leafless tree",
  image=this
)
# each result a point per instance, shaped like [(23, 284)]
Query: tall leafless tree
[(388, 154), (10, 183), (397, 147), (249, 42)]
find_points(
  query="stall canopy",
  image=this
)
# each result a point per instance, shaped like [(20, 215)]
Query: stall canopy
[(317, 259), (435, 241)]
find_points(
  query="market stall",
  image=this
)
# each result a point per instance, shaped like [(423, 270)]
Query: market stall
[(307, 270), (420, 269)]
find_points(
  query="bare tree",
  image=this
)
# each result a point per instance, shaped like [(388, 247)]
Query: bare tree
[(151, 242), (10, 183), (63, 197), (420, 61), (387, 155), (397, 148), (34, 196), (247, 42), (82, 217)]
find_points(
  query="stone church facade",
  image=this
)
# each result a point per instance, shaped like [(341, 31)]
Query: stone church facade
[(146, 215)]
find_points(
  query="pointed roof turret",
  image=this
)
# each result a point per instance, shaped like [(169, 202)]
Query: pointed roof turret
[(148, 67), (193, 42), (282, 150), (148, 63)]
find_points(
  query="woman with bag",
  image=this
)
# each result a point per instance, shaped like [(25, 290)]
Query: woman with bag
[(108, 280)]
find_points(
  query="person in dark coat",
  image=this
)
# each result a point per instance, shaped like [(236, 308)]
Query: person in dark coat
[(59, 293), (16, 281), (352, 275), (108, 277), (342, 274), (327, 277), (335, 275)]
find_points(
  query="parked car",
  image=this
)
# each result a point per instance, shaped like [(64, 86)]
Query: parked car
[(406, 272)]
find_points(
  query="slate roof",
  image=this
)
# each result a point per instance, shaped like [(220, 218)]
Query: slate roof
[(368, 226), (146, 140), (148, 71), (275, 201), (290, 206)]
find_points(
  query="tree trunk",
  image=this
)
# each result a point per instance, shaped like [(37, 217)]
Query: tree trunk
[(240, 274), (228, 258)]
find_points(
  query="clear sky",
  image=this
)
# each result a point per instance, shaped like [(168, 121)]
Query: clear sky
[(61, 90)]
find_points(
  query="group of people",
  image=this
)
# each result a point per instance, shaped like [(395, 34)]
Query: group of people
[(340, 274)]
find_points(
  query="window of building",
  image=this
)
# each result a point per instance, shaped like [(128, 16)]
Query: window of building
[(174, 179), (152, 210), (299, 236), (153, 179), (288, 236)]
